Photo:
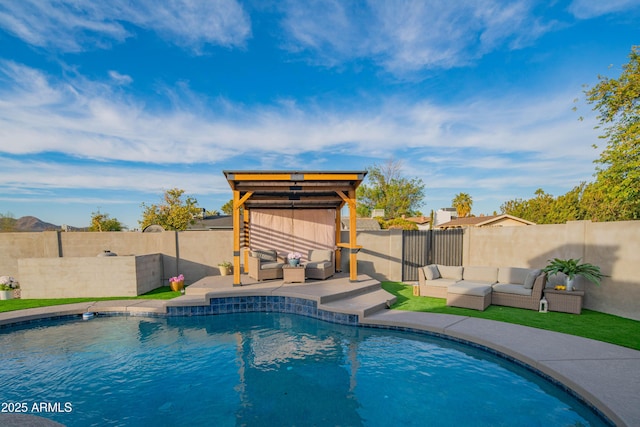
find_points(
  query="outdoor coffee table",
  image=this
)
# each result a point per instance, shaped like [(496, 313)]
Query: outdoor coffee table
[(292, 274)]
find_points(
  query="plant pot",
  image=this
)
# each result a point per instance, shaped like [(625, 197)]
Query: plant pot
[(4, 295), (225, 271), (294, 262), (177, 286), (569, 284)]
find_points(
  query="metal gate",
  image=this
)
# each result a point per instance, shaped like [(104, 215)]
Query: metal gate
[(420, 248)]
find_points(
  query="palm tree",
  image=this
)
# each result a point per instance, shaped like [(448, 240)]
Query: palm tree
[(462, 202)]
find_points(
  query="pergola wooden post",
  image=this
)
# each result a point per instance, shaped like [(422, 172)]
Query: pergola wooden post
[(236, 238), (295, 190), (237, 204), (354, 248)]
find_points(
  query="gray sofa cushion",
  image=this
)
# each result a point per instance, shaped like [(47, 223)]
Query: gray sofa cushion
[(481, 274), (514, 275), (467, 288), (442, 283), (453, 272), (316, 255), (531, 277), (431, 272), (509, 288), (265, 255), (270, 265), (320, 264)]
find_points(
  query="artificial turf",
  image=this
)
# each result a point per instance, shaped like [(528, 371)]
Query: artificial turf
[(163, 292), (589, 324)]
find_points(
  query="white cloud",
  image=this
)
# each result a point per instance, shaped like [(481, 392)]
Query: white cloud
[(587, 9), (45, 176), (408, 36), (91, 120), (483, 143), (121, 79), (77, 25)]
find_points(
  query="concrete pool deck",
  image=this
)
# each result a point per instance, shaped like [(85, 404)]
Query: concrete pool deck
[(604, 375)]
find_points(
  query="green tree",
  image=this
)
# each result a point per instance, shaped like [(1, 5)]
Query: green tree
[(102, 222), (400, 223), (538, 209), (568, 207), (516, 207), (598, 204), (463, 203), (7, 222), (387, 189), (227, 208), (618, 172), (173, 214)]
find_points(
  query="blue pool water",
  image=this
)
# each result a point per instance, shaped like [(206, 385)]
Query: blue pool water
[(261, 369)]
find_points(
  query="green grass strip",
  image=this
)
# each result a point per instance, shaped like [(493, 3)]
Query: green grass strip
[(162, 293), (590, 324)]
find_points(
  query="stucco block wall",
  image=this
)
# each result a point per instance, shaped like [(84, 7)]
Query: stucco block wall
[(380, 256), (200, 252), (124, 243), (149, 273), (89, 276), (14, 246), (615, 247)]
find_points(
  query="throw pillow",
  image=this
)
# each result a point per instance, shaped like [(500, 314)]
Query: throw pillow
[(431, 272), (531, 277), (265, 255)]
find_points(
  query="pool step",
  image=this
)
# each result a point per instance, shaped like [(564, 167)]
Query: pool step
[(338, 293), (364, 304)]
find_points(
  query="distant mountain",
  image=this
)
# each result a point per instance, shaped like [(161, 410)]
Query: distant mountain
[(31, 223)]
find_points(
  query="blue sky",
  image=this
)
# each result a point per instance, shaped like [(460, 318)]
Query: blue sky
[(105, 105)]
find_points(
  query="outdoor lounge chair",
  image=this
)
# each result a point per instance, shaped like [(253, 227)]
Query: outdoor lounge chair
[(264, 265), (320, 265)]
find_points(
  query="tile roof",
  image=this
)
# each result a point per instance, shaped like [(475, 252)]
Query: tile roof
[(482, 221)]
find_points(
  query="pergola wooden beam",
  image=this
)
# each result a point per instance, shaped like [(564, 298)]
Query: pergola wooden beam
[(296, 190)]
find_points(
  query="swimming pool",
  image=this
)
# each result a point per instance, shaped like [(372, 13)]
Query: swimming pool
[(266, 369)]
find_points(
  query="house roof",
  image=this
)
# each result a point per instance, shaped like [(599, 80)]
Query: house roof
[(419, 219), (484, 221), (213, 222), (294, 189)]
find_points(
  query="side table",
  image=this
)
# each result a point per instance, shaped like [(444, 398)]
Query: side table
[(293, 274), (566, 302)]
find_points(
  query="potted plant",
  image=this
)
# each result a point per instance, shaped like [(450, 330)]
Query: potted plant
[(225, 268), (7, 285), (294, 258), (177, 283), (572, 268)]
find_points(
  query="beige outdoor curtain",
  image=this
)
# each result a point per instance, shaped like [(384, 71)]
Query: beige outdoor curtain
[(292, 230)]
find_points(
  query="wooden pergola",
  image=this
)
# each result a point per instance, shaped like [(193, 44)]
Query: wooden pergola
[(295, 190)]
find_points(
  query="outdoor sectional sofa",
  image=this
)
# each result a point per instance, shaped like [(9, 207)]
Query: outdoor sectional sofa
[(478, 286)]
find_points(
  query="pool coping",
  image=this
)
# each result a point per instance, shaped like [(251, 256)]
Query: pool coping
[(604, 375)]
